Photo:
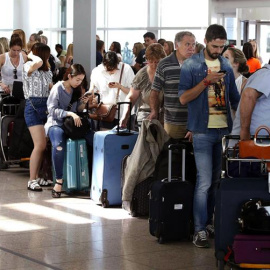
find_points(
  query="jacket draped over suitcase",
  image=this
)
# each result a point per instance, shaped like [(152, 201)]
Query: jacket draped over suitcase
[(141, 163)]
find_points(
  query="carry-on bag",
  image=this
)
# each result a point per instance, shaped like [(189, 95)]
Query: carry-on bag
[(170, 204), (110, 147), (253, 249), (75, 169), (139, 206)]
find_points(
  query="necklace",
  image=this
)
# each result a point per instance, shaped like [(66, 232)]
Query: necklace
[(14, 61)]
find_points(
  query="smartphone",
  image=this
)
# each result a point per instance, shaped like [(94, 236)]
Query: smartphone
[(222, 71), (87, 94)]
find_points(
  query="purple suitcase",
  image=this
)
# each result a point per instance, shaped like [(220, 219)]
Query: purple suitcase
[(254, 249)]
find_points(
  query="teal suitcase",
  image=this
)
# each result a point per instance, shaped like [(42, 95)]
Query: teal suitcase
[(76, 172)]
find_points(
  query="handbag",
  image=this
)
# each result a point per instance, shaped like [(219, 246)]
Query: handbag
[(255, 217), (74, 132), (105, 112), (251, 148)]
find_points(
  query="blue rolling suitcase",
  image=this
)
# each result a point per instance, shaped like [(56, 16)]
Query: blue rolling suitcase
[(110, 147), (76, 172), (109, 150)]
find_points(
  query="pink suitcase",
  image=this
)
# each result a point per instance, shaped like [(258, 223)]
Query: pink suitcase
[(253, 249)]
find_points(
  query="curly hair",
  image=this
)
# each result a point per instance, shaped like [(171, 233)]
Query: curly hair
[(155, 51)]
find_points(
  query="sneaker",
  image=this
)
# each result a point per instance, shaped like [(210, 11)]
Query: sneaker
[(33, 185), (200, 239), (210, 230), (44, 183)]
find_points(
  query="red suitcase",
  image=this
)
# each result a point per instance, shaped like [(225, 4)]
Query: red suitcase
[(254, 249)]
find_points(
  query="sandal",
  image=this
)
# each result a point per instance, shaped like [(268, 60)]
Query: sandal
[(43, 182), (57, 194), (33, 185)]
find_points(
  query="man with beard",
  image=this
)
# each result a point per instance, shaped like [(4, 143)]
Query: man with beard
[(209, 119)]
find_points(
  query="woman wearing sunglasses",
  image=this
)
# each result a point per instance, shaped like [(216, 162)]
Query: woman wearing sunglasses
[(11, 64)]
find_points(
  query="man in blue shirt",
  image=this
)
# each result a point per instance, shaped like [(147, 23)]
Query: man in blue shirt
[(207, 85)]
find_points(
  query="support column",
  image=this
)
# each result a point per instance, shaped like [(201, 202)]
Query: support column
[(84, 34), (21, 17)]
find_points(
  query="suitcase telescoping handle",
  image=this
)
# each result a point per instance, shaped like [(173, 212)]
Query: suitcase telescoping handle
[(172, 147), (129, 122)]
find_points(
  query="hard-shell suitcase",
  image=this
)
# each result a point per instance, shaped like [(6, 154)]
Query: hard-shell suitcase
[(253, 249), (77, 165), (110, 147), (75, 170), (231, 194), (171, 202)]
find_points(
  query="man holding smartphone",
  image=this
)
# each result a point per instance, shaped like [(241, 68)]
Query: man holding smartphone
[(209, 95)]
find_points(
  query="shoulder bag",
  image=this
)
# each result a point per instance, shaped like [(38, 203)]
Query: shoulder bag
[(105, 112), (72, 131)]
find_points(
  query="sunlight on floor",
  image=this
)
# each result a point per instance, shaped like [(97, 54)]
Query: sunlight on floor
[(13, 225), (92, 208), (48, 212)]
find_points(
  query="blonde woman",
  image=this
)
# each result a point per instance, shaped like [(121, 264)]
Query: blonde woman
[(255, 49), (238, 62), (69, 56), (137, 47), (142, 84), (21, 34), (168, 47)]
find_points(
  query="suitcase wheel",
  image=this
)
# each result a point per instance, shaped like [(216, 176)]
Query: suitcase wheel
[(220, 264), (160, 240), (103, 198), (105, 204)]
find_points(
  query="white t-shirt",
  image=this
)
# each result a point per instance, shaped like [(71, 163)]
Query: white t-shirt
[(100, 80)]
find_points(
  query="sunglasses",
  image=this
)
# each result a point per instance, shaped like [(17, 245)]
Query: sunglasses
[(15, 74)]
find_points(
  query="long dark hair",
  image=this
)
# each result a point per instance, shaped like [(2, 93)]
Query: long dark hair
[(75, 70), (43, 51), (248, 50)]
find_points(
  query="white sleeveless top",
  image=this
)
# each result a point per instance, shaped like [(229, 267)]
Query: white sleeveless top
[(7, 70), (238, 83)]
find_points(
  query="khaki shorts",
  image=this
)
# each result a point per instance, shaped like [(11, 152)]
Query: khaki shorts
[(175, 131)]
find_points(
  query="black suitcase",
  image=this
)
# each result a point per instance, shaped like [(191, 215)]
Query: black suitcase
[(139, 206), (171, 201), (231, 194)]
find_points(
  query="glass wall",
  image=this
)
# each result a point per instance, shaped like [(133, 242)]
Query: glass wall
[(124, 21)]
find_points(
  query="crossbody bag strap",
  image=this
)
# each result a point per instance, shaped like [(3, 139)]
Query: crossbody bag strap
[(118, 90)]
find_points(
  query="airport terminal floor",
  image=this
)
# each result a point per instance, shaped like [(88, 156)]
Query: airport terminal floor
[(38, 232)]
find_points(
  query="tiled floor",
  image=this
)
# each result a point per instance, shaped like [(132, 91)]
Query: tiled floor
[(38, 232)]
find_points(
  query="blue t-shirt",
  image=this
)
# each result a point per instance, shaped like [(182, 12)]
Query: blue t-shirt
[(260, 116)]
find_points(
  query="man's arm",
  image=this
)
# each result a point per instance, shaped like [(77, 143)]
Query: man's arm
[(154, 104), (194, 92), (247, 104), (132, 97)]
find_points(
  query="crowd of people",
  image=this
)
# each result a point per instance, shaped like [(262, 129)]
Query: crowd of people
[(192, 89)]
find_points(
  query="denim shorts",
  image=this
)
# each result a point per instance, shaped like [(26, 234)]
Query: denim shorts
[(35, 111)]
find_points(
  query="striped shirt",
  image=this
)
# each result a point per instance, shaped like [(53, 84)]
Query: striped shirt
[(167, 79)]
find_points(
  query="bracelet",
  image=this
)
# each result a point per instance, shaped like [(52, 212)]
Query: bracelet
[(206, 82)]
